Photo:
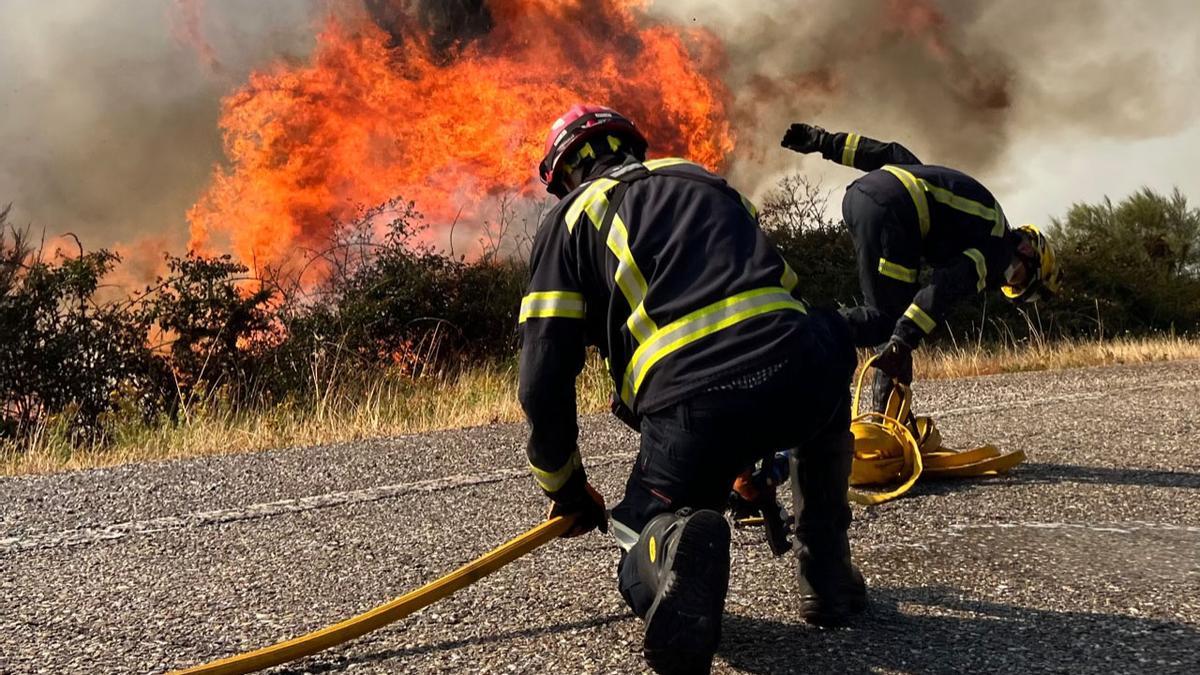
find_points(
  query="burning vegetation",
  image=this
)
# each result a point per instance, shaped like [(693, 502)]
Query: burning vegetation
[(444, 104)]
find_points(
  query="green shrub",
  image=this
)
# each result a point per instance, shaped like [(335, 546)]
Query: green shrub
[(62, 352), (820, 250), (389, 302), (1135, 265)]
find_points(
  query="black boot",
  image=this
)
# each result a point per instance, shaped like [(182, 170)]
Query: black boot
[(831, 588), (680, 569)]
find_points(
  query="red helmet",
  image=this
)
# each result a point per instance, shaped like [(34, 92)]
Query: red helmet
[(573, 129)]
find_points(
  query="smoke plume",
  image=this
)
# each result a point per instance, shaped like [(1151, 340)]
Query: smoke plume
[(957, 81)]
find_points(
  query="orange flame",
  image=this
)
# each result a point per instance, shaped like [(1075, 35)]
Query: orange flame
[(367, 120)]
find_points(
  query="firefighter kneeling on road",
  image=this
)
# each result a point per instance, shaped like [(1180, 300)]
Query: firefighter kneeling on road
[(902, 212), (717, 362)]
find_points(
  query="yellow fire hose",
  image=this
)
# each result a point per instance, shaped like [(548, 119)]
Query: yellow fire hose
[(307, 645), (886, 452)]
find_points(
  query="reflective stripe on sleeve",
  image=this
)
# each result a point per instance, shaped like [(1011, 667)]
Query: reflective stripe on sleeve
[(919, 317), (913, 185), (750, 207), (699, 324), (553, 481), (790, 279), (980, 266), (552, 304), (851, 150), (898, 272)]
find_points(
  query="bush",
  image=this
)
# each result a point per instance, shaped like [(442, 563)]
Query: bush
[(1134, 265), (215, 320), (389, 302), (63, 353), (820, 250)]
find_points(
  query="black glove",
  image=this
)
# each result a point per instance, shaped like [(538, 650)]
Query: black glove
[(624, 414), (893, 358), (578, 497), (804, 138)]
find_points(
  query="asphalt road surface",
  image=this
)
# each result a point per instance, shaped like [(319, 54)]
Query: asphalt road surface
[(1086, 559)]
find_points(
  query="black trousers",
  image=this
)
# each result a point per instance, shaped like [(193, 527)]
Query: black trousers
[(691, 452), (884, 299)]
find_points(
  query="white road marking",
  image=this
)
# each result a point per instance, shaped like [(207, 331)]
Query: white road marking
[(195, 519), (92, 535), (1128, 527)]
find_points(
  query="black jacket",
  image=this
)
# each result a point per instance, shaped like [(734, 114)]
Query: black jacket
[(936, 216), (678, 289)]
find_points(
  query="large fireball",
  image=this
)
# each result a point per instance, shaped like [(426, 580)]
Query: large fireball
[(380, 113)]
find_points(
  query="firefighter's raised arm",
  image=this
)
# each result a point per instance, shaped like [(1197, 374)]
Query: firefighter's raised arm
[(850, 149)]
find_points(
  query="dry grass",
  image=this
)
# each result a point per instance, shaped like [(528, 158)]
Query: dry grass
[(389, 406), (394, 405), (938, 364)]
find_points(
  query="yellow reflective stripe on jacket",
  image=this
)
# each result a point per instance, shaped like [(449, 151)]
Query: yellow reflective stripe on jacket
[(898, 272), (913, 185), (790, 279), (628, 277), (918, 188), (980, 266), (640, 325), (594, 203), (968, 206), (851, 150), (552, 304), (919, 317), (593, 200), (656, 164), (1001, 222), (553, 481), (699, 324)]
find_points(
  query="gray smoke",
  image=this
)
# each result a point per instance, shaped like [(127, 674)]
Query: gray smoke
[(962, 89), (109, 123)]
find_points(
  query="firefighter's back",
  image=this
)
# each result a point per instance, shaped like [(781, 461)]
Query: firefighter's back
[(718, 298), (950, 210)]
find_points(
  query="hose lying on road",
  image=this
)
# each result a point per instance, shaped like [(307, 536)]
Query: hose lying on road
[(886, 451), (397, 609)]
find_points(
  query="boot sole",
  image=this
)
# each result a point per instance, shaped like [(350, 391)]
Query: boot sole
[(683, 627)]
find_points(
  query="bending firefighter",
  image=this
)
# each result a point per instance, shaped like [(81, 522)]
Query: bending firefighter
[(903, 212), (716, 361)]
